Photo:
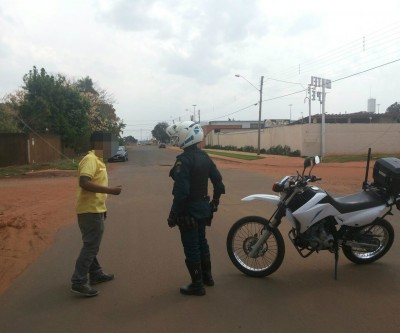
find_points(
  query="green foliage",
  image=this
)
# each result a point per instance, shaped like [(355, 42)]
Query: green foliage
[(233, 148), (8, 119), (233, 155), (63, 164), (248, 149), (52, 105), (277, 150), (129, 140), (86, 86), (394, 111), (159, 132), (282, 150), (101, 113)]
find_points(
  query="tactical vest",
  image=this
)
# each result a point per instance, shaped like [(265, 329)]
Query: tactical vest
[(200, 164)]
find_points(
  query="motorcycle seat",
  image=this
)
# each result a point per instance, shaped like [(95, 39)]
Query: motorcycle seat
[(358, 201)]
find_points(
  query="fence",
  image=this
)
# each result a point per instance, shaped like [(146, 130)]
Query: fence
[(22, 148)]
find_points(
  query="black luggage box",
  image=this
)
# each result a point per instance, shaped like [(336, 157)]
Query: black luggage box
[(387, 174)]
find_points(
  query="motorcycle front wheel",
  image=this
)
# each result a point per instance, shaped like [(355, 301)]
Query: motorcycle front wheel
[(380, 233), (241, 238)]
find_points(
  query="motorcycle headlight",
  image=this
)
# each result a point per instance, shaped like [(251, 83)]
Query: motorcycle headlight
[(278, 187)]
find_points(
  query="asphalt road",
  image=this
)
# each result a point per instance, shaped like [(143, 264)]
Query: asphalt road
[(147, 259)]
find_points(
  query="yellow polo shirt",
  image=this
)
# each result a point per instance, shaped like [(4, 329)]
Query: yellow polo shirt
[(91, 202)]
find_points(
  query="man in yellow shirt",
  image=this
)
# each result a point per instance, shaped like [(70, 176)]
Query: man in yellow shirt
[(91, 209)]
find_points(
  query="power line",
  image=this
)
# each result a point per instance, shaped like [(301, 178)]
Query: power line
[(340, 79), (304, 90), (44, 140), (346, 51)]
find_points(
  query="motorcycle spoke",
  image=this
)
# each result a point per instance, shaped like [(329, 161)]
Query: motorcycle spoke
[(248, 235), (373, 233)]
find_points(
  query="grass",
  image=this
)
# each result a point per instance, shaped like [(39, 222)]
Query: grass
[(233, 155), (326, 159), (68, 164), (354, 158), (16, 170)]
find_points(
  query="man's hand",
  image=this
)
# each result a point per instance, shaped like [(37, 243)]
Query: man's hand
[(214, 205), (172, 219), (116, 190)]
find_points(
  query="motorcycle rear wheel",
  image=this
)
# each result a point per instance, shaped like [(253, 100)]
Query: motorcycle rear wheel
[(245, 233), (380, 232)]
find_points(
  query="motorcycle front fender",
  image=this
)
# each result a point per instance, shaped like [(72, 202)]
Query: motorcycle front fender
[(274, 199)]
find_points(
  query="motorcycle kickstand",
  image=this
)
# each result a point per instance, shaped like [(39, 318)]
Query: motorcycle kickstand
[(336, 260)]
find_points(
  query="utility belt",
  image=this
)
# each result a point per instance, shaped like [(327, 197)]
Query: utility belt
[(199, 198)]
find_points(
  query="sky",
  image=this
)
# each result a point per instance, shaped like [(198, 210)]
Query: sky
[(164, 61)]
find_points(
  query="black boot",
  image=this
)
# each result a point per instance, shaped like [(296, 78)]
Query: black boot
[(206, 269), (196, 287)]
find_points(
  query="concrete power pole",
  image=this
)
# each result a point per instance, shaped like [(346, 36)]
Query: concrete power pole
[(323, 130)]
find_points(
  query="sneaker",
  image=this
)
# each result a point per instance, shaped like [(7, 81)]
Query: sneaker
[(103, 277), (84, 289)]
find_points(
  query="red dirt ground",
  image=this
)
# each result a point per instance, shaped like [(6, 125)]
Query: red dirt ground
[(34, 207)]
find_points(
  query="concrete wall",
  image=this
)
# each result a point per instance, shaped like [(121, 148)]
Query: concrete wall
[(340, 139)]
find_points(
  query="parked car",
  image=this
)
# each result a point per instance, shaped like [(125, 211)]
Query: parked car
[(162, 145), (120, 156)]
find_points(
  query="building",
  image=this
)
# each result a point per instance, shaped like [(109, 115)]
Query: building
[(371, 105)]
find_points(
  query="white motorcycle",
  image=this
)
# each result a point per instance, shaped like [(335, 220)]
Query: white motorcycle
[(355, 223)]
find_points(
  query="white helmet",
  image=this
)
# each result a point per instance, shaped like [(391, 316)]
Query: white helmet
[(187, 133)]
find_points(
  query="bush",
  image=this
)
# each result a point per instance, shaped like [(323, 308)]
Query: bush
[(234, 148), (275, 150), (249, 149)]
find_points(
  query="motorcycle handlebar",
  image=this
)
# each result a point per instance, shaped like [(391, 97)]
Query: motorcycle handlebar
[(314, 178), (311, 179)]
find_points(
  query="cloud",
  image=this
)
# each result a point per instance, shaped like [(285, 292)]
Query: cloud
[(303, 24), (191, 36)]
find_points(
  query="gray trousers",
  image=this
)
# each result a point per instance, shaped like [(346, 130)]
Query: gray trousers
[(92, 228)]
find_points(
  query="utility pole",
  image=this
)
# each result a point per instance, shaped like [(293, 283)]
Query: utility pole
[(290, 113), (309, 103), (259, 116), (324, 84), (199, 115), (323, 129), (194, 112), (259, 108)]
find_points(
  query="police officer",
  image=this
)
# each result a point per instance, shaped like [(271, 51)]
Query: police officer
[(192, 209)]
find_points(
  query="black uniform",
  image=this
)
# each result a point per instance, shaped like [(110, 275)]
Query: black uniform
[(191, 209)]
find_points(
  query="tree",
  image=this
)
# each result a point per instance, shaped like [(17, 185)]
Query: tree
[(53, 105), (159, 132), (129, 139), (86, 86), (9, 121), (394, 111), (101, 113)]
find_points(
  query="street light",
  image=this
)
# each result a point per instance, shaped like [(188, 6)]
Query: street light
[(290, 113), (259, 108)]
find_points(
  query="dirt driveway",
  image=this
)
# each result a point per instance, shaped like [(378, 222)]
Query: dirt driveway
[(34, 207)]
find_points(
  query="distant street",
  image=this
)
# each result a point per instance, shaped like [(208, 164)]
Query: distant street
[(147, 259)]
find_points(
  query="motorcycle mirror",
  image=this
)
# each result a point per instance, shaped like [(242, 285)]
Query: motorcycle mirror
[(307, 162), (314, 161)]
